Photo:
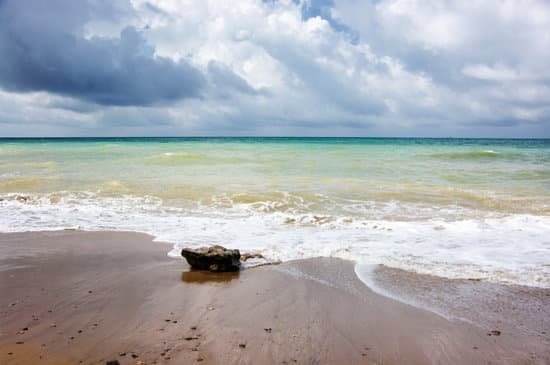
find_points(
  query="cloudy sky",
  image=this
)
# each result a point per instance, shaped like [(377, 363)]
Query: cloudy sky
[(275, 67)]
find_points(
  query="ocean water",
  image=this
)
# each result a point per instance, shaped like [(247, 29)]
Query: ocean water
[(457, 208)]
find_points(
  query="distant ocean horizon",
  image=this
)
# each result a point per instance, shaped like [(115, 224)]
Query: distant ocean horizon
[(224, 137), (453, 207)]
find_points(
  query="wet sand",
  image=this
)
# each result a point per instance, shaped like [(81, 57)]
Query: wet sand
[(87, 297)]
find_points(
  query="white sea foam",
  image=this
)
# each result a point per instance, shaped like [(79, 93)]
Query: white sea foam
[(512, 249)]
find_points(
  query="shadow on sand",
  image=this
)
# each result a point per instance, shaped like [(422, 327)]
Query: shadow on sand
[(202, 277)]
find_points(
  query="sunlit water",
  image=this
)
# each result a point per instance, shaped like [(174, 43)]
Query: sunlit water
[(449, 207)]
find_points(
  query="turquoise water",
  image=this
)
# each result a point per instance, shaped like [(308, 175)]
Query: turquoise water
[(451, 207)]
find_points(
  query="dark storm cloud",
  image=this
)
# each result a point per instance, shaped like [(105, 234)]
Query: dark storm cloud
[(42, 48)]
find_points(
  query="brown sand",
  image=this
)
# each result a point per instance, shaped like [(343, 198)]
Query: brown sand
[(87, 297)]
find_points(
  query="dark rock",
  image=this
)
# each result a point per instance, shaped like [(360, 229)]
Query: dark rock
[(242, 345), (112, 362), (215, 258)]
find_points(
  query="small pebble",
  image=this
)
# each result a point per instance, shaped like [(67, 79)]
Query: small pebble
[(134, 356), (242, 345), (121, 354), (267, 330), (193, 328), (112, 362), (19, 342)]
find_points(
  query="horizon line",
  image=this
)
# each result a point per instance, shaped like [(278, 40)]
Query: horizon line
[(273, 137)]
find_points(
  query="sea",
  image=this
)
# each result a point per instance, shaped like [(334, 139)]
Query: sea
[(455, 208)]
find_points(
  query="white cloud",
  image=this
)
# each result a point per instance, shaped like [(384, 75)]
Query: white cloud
[(417, 68), (492, 73)]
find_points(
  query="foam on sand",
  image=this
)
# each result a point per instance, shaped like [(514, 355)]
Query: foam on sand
[(510, 248)]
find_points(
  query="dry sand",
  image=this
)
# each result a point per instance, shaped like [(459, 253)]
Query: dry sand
[(87, 297)]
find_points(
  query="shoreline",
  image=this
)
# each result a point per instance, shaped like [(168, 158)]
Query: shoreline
[(125, 295), (511, 306)]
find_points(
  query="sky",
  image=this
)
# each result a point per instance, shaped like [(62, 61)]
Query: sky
[(477, 68)]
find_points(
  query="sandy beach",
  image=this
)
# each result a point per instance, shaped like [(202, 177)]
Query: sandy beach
[(89, 297)]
